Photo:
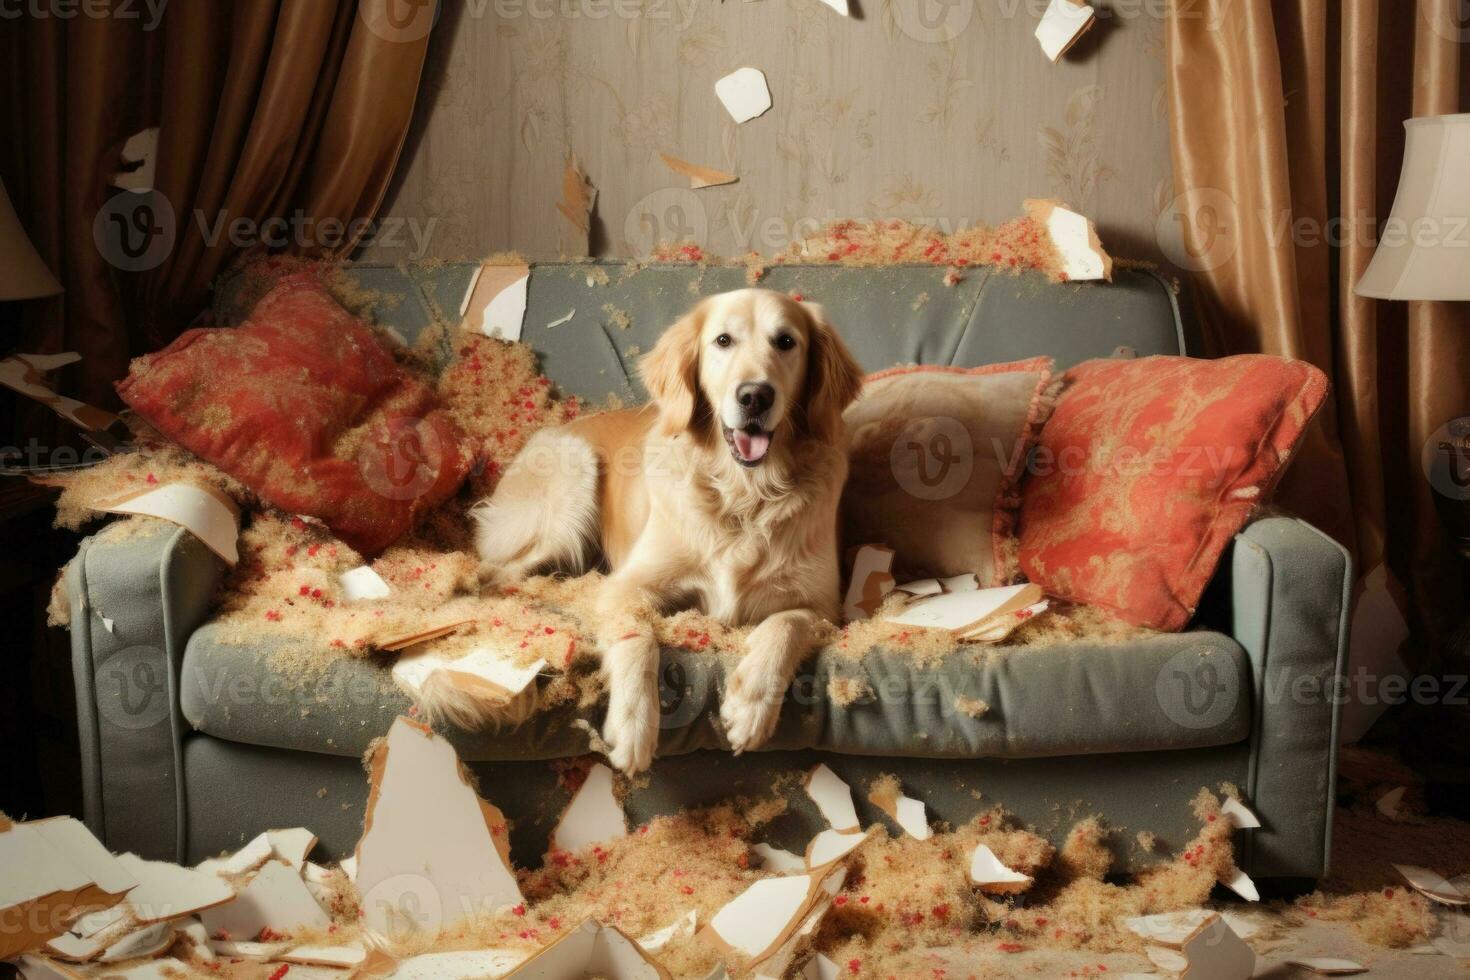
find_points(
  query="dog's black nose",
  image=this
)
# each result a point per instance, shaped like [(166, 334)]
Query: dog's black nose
[(755, 397)]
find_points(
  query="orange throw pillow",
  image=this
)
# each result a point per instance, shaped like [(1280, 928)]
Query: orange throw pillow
[(936, 455), (303, 405), (1147, 469)]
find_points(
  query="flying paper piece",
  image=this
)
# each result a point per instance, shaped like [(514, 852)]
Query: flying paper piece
[(23, 373), (905, 811), (1431, 885), (833, 845), (1237, 813), (594, 816), (871, 581), (140, 155), (363, 583), (167, 891), (425, 829), (275, 899), (483, 673), (1388, 803), (744, 93), (343, 957), (987, 871), (698, 176), (578, 196), (148, 941), (591, 950), (55, 871), (489, 963), (1074, 237), (1241, 883), (1328, 966), (402, 641), (1063, 23), (208, 514), (778, 860), (833, 797), (495, 302), (960, 612), (681, 928)]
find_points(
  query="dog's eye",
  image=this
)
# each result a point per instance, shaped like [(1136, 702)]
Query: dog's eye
[(784, 341), (724, 340)]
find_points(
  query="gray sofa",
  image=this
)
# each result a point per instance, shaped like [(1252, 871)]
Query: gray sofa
[(192, 745)]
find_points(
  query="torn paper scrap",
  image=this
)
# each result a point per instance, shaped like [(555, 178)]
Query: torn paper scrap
[(777, 964), (1328, 966), (778, 860), (276, 899), (431, 852), (833, 797), (1209, 950), (681, 928), (905, 811), (243, 861), (757, 921), (483, 674), (871, 581), (291, 845), (987, 871), (1168, 960), (362, 584), (838, 5), (923, 587), (140, 157), (833, 845), (1075, 239), (208, 514), (1238, 814), (167, 891), (148, 941), (744, 93), (244, 949), (454, 966), (594, 816), (342, 957), (963, 611), (1431, 885), (578, 196), (1169, 928), (23, 373), (1388, 804), (55, 871), (699, 177), (495, 301), (968, 582), (1240, 883), (591, 950), (1062, 25), (165, 969)]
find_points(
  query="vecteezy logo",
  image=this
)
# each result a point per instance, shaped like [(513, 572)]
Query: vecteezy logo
[(132, 688), (932, 458), (1207, 213), (404, 21), (1451, 21), (1446, 459), (683, 691), (403, 907), (673, 214), (135, 230), (1194, 691), (932, 21), (403, 461)]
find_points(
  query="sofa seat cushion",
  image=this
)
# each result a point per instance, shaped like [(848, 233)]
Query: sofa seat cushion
[(1185, 690)]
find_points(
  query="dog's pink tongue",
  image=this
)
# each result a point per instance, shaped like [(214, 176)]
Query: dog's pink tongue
[(752, 447)]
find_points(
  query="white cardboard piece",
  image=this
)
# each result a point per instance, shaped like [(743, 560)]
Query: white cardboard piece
[(276, 899), (839, 5), (242, 949), (923, 587), (756, 920), (681, 928), (872, 580), (961, 611), (211, 516), (833, 797), (1074, 237), (1328, 966), (1432, 885), (1168, 928), (594, 816), (987, 871), (24, 373), (483, 671), (54, 872), (342, 957), (147, 941), (909, 813), (167, 891), (141, 148), (1205, 943), (833, 845), (1241, 883), (1061, 25), (1237, 813), (778, 860), (591, 950), (495, 301), (425, 829), (700, 177), (488, 963), (744, 93), (362, 584)]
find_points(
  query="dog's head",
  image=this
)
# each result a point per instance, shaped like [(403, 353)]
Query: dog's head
[(755, 367)]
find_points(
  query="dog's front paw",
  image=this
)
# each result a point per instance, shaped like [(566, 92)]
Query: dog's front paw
[(631, 727), (752, 705)]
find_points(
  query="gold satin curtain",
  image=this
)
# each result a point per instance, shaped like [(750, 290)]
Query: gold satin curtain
[(266, 108), (1286, 121)]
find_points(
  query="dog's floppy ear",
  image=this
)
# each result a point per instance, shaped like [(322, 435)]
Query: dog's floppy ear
[(670, 372), (833, 377)]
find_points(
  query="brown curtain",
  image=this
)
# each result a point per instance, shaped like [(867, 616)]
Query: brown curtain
[(293, 109), (1286, 119)]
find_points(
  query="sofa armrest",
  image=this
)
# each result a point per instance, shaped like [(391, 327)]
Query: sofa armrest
[(136, 590), (1290, 597)]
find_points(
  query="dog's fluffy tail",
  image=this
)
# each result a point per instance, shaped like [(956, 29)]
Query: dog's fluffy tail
[(544, 515)]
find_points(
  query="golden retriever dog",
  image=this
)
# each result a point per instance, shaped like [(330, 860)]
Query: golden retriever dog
[(722, 494)]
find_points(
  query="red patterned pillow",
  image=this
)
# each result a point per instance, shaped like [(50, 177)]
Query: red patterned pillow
[(303, 405), (1147, 469)]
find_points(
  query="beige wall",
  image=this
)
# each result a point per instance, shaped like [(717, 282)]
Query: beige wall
[(942, 111)]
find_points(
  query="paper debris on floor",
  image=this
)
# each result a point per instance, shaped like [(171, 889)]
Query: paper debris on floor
[(167, 891), (871, 581), (1432, 885), (907, 812), (483, 673), (276, 899), (594, 816), (591, 950), (777, 859), (495, 301), (833, 845), (1388, 804), (1328, 966), (578, 196), (55, 872), (681, 928), (362, 583), (1062, 25), (146, 942), (492, 963), (25, 374), (962, 613), (699, 177), (778, 964), (1168, 928), (833, 797), (245, 860), (987, 871), (342, 957), (744, 93), (428, 835), (212, 517), (1075, 239), (1237, 813), (1198, 943), (759, 921), (140, 162), (248, 949)]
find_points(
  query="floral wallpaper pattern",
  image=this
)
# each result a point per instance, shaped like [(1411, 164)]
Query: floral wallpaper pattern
[(937, 111)]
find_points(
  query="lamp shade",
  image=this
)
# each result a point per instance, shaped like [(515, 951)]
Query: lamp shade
[(22, 273), (1424, 247)]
